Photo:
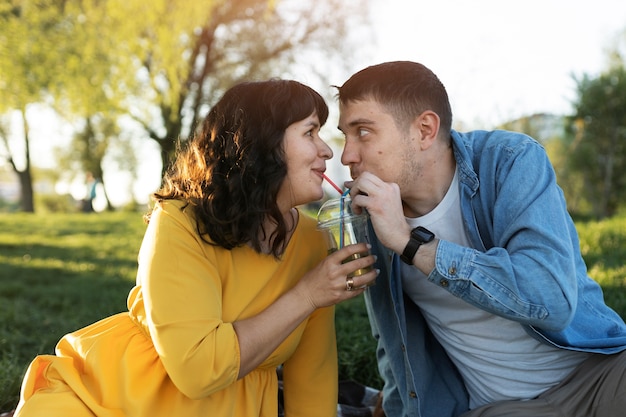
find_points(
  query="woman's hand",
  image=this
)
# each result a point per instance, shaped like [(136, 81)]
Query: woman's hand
[(325, 285), (334, 279)]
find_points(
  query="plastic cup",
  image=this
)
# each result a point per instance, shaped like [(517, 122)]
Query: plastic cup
[(342, 227)]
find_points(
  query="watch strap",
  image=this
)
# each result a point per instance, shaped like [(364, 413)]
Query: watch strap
[(410, 250), (419, 236)]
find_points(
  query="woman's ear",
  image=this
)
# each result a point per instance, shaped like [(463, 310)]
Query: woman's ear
[(426, 125)]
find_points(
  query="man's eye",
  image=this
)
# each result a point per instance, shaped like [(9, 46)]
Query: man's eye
[(363, 132)]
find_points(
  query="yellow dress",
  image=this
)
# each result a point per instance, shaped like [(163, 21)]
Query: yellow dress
[(175, 352)]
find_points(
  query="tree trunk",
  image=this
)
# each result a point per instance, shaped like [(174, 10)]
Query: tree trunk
[(109, 206), (26, 191), (27, 203)]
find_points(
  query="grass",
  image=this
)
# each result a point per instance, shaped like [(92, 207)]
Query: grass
[(603, 245), (60, 272)]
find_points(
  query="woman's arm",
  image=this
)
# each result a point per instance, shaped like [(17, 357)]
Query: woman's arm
[(323, 286)]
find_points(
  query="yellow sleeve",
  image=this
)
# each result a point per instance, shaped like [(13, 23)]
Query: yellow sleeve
[(310, 375), (183, 301)]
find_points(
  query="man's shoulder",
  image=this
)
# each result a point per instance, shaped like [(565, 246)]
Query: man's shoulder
[(496, 135), (478, 141)]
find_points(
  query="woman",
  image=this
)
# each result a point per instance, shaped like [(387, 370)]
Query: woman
[(233, 281)]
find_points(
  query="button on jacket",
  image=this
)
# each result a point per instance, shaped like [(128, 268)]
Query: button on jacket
[(525, 265)]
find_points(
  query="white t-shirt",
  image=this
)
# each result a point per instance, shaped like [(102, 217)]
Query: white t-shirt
[(497, 359)]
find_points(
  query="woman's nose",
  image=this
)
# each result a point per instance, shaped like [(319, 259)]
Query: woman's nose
[(325, 151)]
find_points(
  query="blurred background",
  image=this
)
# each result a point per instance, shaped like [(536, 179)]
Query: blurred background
[(95, 95)]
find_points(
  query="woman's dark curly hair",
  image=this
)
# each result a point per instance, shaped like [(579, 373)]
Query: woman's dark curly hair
[(230, 171)]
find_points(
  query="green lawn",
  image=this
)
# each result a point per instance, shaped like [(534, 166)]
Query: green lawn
[(59, 272)]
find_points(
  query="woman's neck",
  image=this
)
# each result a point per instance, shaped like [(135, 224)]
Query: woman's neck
[(266, 241)]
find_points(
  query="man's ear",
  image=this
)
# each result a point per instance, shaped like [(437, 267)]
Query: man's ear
[(427, 125)]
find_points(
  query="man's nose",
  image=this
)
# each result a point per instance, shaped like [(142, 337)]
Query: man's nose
[(349, 154)]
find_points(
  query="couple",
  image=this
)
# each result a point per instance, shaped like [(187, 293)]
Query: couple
[(482, 305)]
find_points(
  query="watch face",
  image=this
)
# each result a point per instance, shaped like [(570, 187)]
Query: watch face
[(422, 235)]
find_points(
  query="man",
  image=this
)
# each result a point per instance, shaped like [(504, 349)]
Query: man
[(483, 302)]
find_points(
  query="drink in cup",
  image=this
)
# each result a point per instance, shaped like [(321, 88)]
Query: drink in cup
[(341, 227)]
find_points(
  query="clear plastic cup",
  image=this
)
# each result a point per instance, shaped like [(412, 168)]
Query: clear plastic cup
[(342, 227)]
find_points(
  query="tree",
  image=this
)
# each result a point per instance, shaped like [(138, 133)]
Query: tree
[(27, 40), (597, 132), (52, 53), (242, 40), (94, 63)]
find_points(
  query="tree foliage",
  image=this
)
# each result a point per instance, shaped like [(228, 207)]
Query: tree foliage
[(29, 34), (597, 132), (104, 56), (242, 40), (163, 62)]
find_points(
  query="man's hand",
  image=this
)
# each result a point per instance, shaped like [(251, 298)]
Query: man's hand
[(383, 203)]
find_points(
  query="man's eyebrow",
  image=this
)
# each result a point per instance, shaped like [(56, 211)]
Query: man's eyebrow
[(358, 122)]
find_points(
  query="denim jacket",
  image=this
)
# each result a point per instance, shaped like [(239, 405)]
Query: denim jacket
[(525, 265)]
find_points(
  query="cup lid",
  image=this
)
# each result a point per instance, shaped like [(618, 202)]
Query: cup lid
[(330, 212)]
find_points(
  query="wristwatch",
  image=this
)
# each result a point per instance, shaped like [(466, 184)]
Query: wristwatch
[(419, 236)]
